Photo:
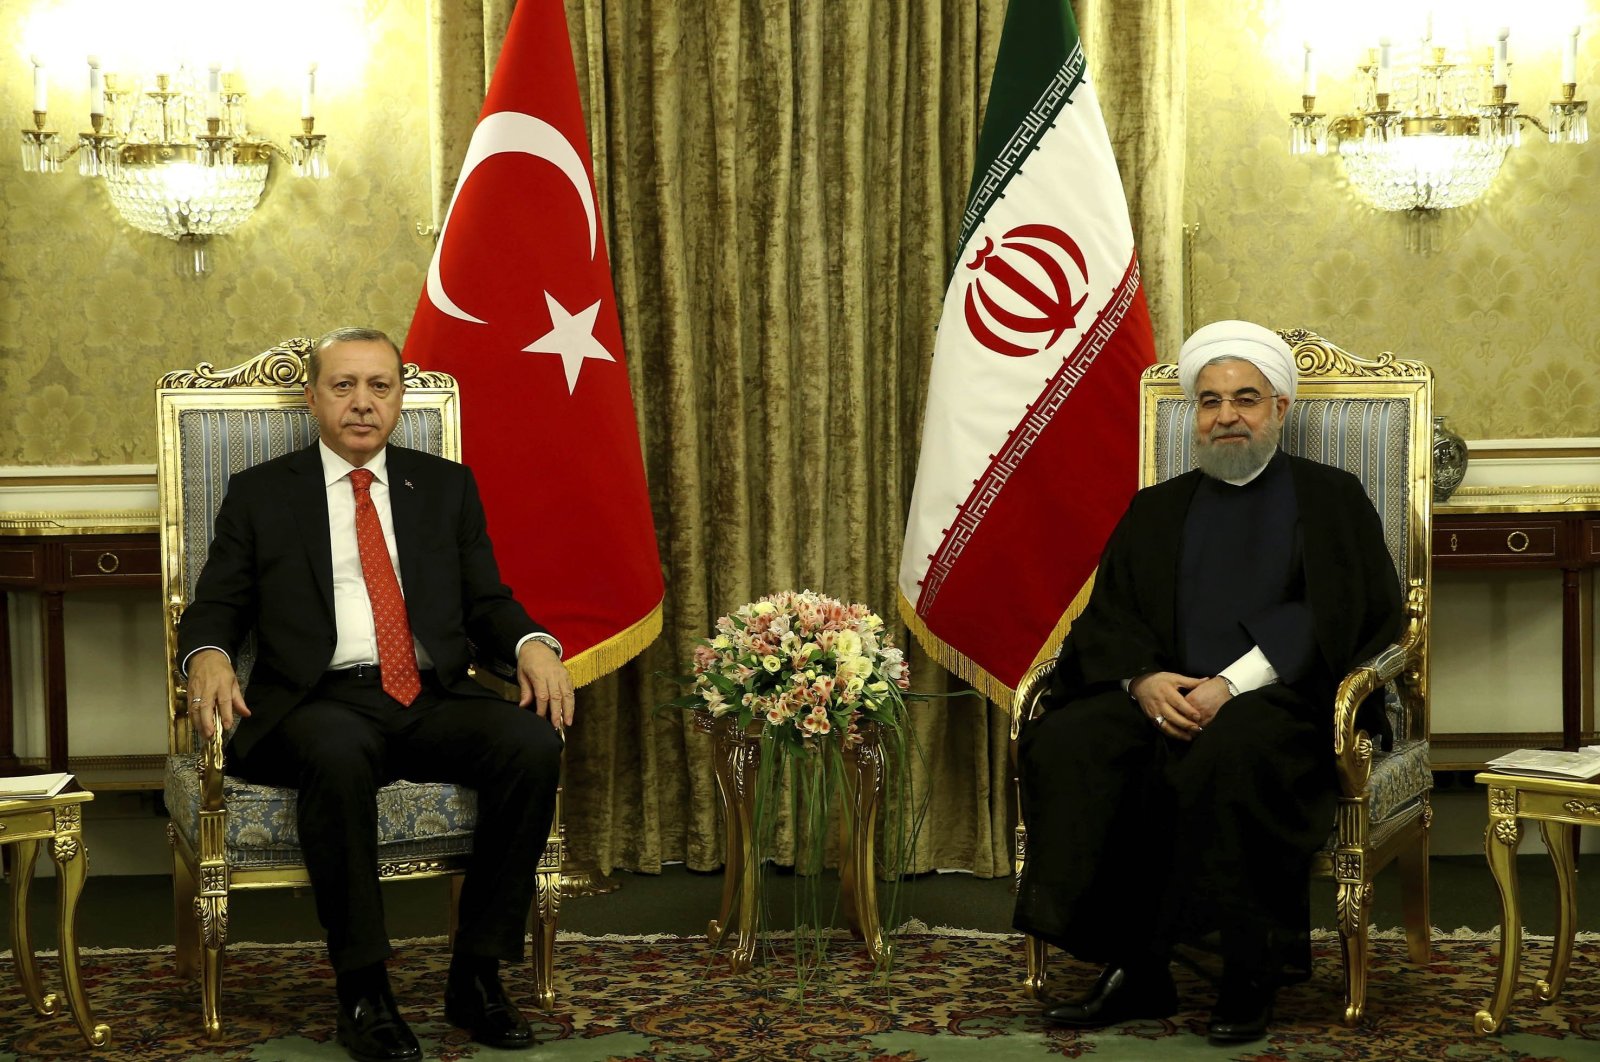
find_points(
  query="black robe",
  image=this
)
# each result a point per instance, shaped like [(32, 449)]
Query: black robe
[(1136, 839)]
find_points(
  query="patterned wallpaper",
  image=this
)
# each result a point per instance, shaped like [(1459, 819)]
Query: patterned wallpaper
[(92, 312), (1505, 310)]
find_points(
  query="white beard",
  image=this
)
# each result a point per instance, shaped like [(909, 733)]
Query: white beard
[(1229, 461)]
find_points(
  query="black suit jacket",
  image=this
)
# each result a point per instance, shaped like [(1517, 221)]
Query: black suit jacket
[(1130, 625), (270, 571)]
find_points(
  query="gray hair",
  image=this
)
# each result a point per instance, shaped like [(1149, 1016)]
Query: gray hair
[(348, 334)]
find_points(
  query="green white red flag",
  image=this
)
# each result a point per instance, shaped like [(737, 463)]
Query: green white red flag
[(1029, 441), (520, 308)]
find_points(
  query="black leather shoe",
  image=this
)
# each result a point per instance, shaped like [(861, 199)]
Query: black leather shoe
[(373, 1031), (480, 1005), (1120, 994), (1243, 1011)]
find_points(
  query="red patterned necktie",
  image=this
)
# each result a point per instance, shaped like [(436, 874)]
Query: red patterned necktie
[(397, 659)]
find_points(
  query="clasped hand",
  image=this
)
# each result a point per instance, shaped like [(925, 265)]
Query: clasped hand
[(1179, 705)]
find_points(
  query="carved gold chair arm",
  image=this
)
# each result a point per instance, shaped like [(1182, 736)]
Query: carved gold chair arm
[(1030, 692), (1352, 748)]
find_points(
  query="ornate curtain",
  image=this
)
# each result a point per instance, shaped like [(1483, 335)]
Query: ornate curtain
[(782, 184)]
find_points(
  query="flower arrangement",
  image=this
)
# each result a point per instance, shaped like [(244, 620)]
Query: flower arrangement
[(803, 664), (810, 688)]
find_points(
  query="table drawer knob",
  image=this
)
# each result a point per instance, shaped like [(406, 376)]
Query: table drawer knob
[(1517, 541), (109, 562), (1452, 542)]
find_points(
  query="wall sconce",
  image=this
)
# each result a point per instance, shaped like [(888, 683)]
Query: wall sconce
[(1432, 137), (177, 159)]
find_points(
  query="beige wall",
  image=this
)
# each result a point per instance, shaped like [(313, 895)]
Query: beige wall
[(1505, 312), (91, 312)]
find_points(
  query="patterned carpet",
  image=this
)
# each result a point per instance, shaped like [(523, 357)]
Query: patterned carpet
[(950, 997)]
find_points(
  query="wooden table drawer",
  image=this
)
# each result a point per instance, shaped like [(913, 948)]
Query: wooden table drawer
[(97, 562), (1529, 541), (20, 563)]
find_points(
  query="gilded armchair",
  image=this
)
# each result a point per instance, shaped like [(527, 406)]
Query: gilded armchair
[(1372, 418), (228, 835)]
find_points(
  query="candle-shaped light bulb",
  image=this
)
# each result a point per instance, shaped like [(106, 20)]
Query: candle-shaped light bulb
[(41, 99), (1310, 86), (1427, 30), (308, 101), (214, 91), (97, 87), (1500, 56), (1569, 59), (1383, 66)]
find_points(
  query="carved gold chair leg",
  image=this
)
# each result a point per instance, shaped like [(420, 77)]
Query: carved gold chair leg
[(72, 868), (1561, 840), (24, 856), (211, 911), (1354, 901), (546, 910), (737, 760), (453, 923), (1036, 967), (186, 950), (858, 878), (1413, 863)]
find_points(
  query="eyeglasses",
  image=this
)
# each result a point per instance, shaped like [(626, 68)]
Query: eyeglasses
[(1241, 403)]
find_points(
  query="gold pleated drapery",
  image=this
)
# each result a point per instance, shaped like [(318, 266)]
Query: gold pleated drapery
[(782, 185)]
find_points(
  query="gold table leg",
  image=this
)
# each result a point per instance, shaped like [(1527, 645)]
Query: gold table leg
[(737, 759), (858, 827), (72, 867), (1561, 839), (1500, 841), (24, 854)]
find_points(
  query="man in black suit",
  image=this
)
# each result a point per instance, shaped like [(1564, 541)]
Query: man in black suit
[(364, 569), (1181, 777)]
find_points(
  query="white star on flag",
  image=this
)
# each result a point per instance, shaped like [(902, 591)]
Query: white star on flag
[(572, 337)]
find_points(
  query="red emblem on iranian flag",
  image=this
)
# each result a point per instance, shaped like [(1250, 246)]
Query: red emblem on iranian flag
[(1030, 266)]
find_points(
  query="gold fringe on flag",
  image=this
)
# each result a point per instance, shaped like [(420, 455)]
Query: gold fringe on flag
[(607, 656), (955, 661)]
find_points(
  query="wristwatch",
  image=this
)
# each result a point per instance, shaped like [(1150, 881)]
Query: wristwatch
[(549, 642)]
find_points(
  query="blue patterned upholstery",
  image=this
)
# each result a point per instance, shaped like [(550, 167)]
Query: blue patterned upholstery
[(415, 820), (1369, 437)]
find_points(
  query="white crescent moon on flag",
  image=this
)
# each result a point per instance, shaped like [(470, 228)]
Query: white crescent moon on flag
[(511, 131)]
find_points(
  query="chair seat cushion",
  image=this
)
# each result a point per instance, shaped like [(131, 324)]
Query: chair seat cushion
[(415, 820), (1398, 778)]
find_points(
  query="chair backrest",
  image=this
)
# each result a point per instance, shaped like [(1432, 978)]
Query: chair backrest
[(1373, 418), (212, 423)]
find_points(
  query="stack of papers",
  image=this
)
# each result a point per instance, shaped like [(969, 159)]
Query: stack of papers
[(1551, 763), (33, 786)]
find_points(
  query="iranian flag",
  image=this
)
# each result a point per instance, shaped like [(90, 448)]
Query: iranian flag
[(519, 307), (1029, 443)]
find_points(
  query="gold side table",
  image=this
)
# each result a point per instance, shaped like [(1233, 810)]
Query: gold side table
[(1559, 807), (23, 825), (737, 757)]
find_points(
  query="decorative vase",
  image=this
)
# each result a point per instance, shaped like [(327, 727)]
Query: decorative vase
[(1449, 460)]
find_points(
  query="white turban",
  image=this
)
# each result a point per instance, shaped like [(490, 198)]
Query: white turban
[(1237, 339)]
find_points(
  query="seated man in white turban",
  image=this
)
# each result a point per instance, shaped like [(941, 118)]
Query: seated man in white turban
[(1181, 776)]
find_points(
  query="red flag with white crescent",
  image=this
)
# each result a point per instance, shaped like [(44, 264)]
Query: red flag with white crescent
[(519, 308)]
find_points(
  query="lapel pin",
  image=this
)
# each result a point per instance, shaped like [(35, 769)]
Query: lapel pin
[(408, 484)]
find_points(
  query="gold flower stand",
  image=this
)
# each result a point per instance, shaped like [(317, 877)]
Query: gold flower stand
[(23, 825), (738, 758), (1559, 807)]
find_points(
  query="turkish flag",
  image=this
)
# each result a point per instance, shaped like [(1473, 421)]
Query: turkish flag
[(520, 309)]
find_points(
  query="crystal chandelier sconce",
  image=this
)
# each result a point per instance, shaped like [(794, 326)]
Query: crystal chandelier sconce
[(1432, 137), (176, 155)]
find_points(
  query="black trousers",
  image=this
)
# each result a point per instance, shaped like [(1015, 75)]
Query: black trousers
[(1137, 841), (348, 739)]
